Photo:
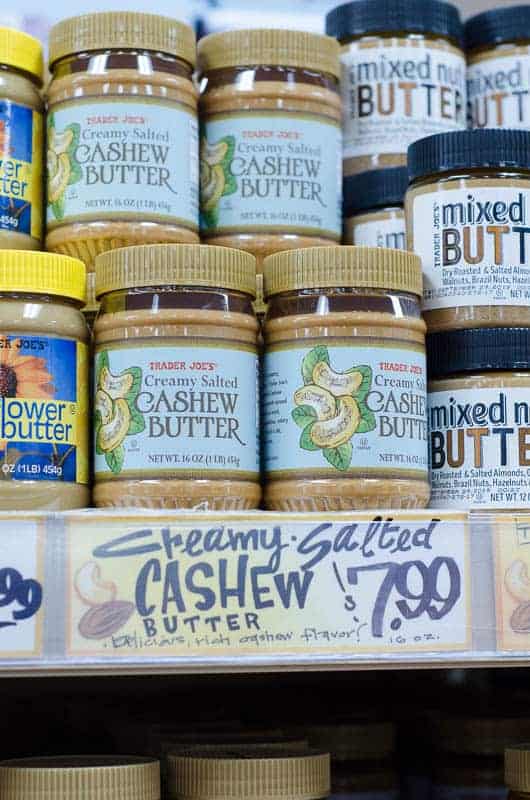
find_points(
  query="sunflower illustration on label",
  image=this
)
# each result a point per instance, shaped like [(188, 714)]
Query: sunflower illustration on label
[(331, 407), (116, 415), (63, 169), (216, 177)]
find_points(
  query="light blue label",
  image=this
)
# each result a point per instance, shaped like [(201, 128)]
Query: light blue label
[(271, 172), (120, 158), (181, 408), (347, 409)]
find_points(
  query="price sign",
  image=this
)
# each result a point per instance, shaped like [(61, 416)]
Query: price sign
[(265, 584), (512, 582), (21, 587)]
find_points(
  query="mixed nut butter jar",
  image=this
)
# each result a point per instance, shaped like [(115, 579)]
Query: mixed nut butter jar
[(373, 208), (122, 134), (468, 212), (175, 377), (271, 140), (344, 381), (43, 382), (403, 77)]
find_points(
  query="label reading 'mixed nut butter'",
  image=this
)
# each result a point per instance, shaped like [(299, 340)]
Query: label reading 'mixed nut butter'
[(499, 90), (382, 229)]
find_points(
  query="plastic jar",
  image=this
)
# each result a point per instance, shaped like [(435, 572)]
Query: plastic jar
[(468, 212), (479, 415), (373, 208), (101, 777), (271, 142), (231, 774), (344, 383), (498, 68), (21, 141), (43, 382), (122, 134), (403, 77), (176, 423), (517, 771)]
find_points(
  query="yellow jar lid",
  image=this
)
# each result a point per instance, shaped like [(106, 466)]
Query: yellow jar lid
[(42, 273), (233, 777), (269, 46), (122, 30), (80, 778), (517, 768), (22, 51), (335, 267), (175, 265)]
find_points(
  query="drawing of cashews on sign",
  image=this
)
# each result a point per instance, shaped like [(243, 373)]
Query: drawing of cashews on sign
[(106, 615)]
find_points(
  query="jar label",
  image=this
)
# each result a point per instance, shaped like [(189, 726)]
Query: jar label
[(182, 410), (122, 159), (340, 409), (381, 230), (480, 448), (271, 172), (499, 91), (474, 244), (393, 95), (43, 409), (21, 142)]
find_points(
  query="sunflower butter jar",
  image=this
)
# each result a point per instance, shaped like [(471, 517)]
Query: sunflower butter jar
[(176, 365), (344, 411), (43, 382)]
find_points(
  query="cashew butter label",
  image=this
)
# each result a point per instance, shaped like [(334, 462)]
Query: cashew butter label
[(474, 243), (380, 230), (271, 172), (499, 91), (480, 448), (394, 95), (21, 142), (338, 410), (175, 410), (43, 409), (122, 159)]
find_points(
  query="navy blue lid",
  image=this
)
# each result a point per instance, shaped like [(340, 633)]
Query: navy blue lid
[(478, 349), (511, 24), (362, 17), (375, 189), (483, 147)]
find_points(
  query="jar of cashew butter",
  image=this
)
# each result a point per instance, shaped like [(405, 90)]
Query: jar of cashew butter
[(498, 68), (403, 77), (122, 134), (344, 383), (373, 208), (87, 777), (43, 382), (468, 213), (176, 368), (271, 140), (479, 418)]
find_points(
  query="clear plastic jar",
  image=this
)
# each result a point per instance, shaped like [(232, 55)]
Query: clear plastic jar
[(373, 208), (403, 77), (468, 211), (43, 383), (271, 142), (176, 422), (122, 134), (21, 141), (344, 383)]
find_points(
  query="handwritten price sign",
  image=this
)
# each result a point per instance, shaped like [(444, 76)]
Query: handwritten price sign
[(269, 584)]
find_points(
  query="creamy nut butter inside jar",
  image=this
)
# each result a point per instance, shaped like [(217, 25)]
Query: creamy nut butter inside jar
[(271, 140), (21, 141), (344, 384), (373, 208), (43, 382), (403, 77), (479, 416), (176, 365), (80, 778), (498, 68), (468, 214), (122, 134)]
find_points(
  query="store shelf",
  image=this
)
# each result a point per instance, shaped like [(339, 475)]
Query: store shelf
[(98, 591)]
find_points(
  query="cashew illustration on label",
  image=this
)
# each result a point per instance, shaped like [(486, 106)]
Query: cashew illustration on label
[(216, 179), (331, 407), (116, 414), (106, 614), (62, 166)]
